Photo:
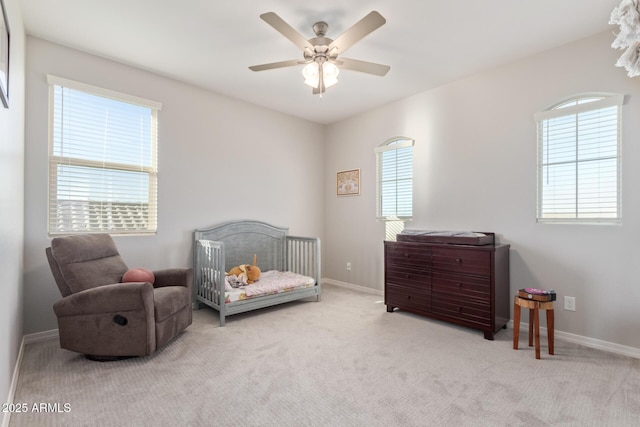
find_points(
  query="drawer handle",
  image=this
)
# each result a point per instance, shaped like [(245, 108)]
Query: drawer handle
[(459, 285), (406, 255), (459, 260), (459, 309), (408, 296)]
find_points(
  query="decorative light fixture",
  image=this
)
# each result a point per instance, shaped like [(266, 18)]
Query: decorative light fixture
[(330, 73), (311, 73), (317, 71), (627, 17)]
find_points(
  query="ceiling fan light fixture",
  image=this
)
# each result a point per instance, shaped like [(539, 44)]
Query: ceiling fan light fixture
[(330, 73), (311, 73)]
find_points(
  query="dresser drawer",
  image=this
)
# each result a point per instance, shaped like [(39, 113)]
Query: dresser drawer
[(411, 254), (408, 276), (458, 308), (461, 286), (461, 261), (401, 297)]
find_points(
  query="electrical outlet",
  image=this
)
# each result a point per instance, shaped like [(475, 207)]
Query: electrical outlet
[(570, 303), (348, 266)]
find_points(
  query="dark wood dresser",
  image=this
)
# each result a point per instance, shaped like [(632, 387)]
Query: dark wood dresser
[(459, 283)]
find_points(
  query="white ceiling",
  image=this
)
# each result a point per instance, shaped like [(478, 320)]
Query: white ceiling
[(211, 43)]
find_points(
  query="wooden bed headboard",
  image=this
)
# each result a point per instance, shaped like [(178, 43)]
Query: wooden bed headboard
[(244, 238)]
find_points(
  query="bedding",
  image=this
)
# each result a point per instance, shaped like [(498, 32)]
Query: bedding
[(271, 282)]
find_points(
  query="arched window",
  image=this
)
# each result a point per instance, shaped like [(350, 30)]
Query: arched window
[(579, 160), (395, 179)]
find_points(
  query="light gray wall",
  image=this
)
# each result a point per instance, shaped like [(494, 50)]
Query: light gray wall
[(11, 203), (219, 159), (475, 169)]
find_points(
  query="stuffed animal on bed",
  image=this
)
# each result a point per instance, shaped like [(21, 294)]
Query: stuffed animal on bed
[(246, 273)]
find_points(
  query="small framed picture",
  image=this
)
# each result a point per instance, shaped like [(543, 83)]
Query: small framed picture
[(348, 183), (4, 56)]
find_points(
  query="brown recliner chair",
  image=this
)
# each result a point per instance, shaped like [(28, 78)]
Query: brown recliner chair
[(105, 319)]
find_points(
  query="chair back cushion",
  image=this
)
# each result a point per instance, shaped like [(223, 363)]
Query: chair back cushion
[(85, 261)]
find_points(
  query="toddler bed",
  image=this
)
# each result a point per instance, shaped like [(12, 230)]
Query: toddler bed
[(290, 266)]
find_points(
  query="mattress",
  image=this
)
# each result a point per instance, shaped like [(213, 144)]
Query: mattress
[(271, 282)]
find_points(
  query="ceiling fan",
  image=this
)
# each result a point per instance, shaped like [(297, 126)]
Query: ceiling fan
[(321, 53)]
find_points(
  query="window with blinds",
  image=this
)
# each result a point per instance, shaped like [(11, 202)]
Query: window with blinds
[(395, 179), (102, 160), (579, 160)]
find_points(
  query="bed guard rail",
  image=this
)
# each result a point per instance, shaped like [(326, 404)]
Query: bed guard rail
[(303, 256), (209, 272)]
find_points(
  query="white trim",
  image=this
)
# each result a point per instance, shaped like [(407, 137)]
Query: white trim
[(394, 218), (358, 288), (6, 419), (26, 339), (386, 146), (599, 344), (584, 341), (608, 100), (107, 93), (41, 336)]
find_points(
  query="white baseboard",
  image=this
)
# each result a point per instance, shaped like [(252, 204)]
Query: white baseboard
[(585, 341), (27, 339), (41, 336), (14, 383), (599, 344), (354, 287), (564, 336)]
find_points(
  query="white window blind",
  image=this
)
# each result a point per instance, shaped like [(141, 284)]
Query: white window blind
[(395, 179), (579, 160), (102, 160)]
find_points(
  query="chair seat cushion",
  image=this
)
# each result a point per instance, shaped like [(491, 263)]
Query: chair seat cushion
[(168, 300)]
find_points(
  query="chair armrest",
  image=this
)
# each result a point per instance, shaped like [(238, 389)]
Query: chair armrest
[(173, 277), (118, 297)]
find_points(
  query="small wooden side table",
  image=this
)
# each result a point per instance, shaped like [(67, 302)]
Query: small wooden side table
[(534, 322)]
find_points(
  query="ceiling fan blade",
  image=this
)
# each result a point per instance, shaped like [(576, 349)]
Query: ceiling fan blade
[(363, 66), (286, 30), (272, 65), (358, 31)]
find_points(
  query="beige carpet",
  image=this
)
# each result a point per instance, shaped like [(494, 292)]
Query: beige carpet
[(343, 361)]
